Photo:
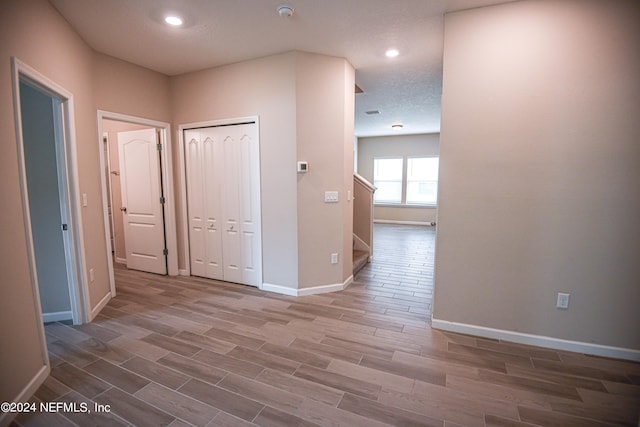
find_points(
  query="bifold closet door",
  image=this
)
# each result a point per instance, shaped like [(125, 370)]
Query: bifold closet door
[(203, 162), (223, 200)]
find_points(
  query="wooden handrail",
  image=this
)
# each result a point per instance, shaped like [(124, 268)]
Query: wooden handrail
[(362, 180)]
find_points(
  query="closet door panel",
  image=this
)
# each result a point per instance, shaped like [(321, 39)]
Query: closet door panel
[(213, 169), (250, 204), (231, 208), (195, 205)]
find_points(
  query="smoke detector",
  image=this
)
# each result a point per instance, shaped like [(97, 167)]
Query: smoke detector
[(285, 11)]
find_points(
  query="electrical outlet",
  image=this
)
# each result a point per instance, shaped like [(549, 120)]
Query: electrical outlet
[(563, 300), (334, 258)]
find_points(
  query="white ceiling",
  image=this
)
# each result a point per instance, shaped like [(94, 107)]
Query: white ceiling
[(405, 89)]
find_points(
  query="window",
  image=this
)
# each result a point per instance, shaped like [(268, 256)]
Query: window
[(406, 180), (387, 178), (422, 180)]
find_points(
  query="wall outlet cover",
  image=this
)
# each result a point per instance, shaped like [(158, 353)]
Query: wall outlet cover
[(563, 300)]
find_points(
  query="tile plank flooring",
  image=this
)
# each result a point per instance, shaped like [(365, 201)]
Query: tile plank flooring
[(182, 351)]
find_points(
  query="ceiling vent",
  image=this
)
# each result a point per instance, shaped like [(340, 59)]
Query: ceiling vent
[(372, 112)]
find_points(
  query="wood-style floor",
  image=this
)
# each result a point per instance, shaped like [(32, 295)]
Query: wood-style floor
[(186, 351)]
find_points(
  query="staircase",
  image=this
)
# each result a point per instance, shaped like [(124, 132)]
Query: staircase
[(360, 260), (362, 222)]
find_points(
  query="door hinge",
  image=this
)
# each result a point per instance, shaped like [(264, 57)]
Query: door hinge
[(162, 200), (165, 251), (159, 147), (65, 227)]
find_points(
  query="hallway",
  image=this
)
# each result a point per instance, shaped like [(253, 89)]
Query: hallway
[(401, 271), (187, 351)]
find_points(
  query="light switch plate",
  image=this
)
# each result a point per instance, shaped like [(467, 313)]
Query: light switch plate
[(331, 197)]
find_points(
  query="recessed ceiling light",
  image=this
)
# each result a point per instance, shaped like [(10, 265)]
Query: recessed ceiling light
[(285, 11), (173, 20), (397, 126), (392, 53)]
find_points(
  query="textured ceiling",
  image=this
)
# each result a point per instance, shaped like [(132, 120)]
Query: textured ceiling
[(405, 89)]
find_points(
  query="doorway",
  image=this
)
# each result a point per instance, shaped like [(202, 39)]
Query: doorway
[(136, 195), (129, 142), (46, 149)]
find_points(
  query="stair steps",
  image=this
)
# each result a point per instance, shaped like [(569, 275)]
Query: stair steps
[(360, 260)]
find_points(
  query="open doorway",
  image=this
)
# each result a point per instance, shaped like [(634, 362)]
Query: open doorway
[(46, 149), (137, 194)]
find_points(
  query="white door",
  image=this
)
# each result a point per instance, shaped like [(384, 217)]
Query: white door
[(203, 161), (223, 186), (141, 201)]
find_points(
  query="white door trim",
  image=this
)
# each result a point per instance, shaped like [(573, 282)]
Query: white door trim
[(74, 239), (183, 177), (167, 179)]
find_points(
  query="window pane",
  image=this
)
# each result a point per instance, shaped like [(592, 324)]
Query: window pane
[(422, 192), (387, 178), (422, 180), (387, 169), (422, 168), (388, 192)]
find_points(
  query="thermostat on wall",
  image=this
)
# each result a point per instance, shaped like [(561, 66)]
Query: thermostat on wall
[(303, 167)]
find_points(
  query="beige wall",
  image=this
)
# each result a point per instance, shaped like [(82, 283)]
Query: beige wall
[(324, 134), (289, 94), (397, 145), (348, 137), (539, 170), (35, 33), (267, 88), (125, 88)]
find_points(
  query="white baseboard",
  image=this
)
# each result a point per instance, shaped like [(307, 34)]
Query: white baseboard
[(121, 260), (313, 290), (347, 282), (392, 221), (279, 289), (25, 394), (57, 316), (96, 310), (538, 340), (183, 272)]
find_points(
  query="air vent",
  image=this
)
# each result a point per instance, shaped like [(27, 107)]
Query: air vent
[(372, 112)]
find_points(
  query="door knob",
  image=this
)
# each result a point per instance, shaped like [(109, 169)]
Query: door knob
[(124, 209)]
